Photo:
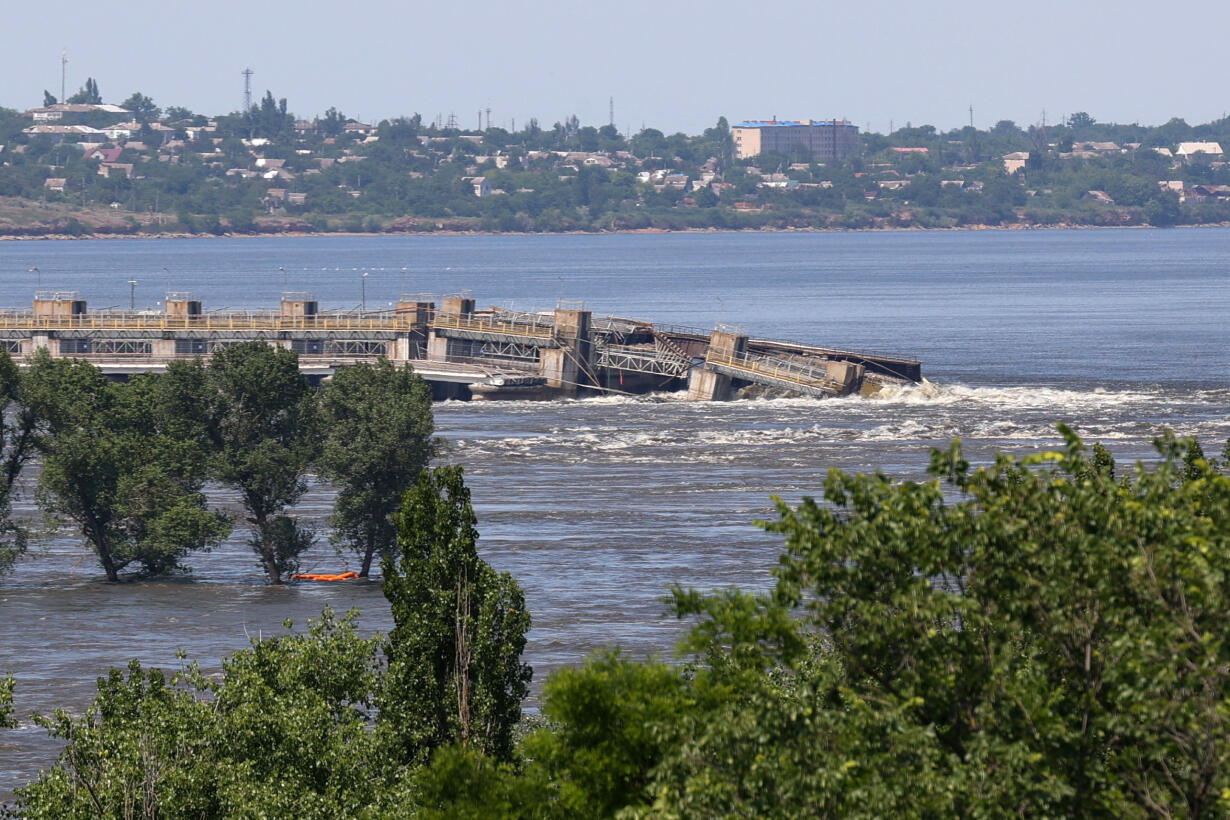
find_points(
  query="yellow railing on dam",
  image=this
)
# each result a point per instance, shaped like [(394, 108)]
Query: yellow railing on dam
[(486, 325), (213, 321)]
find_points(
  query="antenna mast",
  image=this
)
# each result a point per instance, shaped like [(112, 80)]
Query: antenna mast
[(247, 89), (63, 73), (611, 121)]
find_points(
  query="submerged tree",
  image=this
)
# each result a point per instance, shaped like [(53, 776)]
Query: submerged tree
[(264, 437), (455, 672), (113, 463), (378, 439)]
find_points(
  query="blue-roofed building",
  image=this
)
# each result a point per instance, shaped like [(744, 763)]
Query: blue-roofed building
[(815, 139)]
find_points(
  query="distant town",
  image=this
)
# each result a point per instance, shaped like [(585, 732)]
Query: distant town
[(85, 167)]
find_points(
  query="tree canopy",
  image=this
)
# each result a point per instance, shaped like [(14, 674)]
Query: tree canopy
[(378, 438), (114, 463), (264, 437)]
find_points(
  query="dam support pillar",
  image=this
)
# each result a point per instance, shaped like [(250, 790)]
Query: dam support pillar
[(709, 385), (36, 341), (461, 307), (566, 368)]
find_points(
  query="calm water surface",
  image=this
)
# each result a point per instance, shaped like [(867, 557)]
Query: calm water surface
[(597, 505)]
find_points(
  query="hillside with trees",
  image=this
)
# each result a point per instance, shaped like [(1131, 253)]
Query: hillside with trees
[(138, 168)]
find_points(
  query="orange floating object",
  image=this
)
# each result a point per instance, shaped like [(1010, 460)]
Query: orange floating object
[(320, 576)]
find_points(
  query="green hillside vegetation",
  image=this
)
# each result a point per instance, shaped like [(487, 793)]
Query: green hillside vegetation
[(264, 170)]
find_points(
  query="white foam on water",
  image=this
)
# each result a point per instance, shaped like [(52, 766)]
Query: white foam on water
[(1012, 398)]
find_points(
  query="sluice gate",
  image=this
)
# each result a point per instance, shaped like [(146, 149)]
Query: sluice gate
[(463, 352)]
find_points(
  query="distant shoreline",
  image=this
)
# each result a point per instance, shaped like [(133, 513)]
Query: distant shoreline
[(636, 231)]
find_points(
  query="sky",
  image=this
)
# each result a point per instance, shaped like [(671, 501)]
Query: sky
[(667, 64)]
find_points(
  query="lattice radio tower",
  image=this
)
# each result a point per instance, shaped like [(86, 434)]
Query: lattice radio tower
[(247, 89)]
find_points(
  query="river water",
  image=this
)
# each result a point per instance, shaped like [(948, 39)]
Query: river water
[(597, 505)]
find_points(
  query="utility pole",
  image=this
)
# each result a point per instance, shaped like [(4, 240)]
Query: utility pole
[(971, 115), (247, 89)]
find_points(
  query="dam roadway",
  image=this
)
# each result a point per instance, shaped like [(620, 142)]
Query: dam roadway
[(462, 352)]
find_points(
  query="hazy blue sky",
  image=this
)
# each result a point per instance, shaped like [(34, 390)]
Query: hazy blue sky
[(672, 65)]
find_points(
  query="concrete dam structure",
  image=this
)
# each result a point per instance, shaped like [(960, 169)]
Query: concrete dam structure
[(463, 352)]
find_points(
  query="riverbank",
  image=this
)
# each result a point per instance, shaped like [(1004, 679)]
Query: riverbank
[(1013, 226)]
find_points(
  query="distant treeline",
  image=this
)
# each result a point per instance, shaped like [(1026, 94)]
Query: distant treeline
[(266, 171)]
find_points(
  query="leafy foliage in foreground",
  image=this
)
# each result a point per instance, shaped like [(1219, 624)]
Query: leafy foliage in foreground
[(1036, 637), (1051, 642), (455, 670)]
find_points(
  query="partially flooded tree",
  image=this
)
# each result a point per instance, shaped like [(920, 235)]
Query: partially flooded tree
[(113, 464), (378, 439), (264, 437)]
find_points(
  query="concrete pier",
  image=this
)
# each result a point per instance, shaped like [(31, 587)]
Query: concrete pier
[(707, 383)]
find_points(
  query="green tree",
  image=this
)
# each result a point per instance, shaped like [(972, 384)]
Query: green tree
[(1050, 643), (48, 99), (454, 655), (378, 439), (177, 113), (7, 721), (112, 464), (1080, 121), (17, 439), (88, 93), (264, 437), (285, 732), (142, 107), (333, 123)]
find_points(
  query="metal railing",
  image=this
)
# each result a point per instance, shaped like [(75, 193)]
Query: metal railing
[(782, 370), (207, 321), (499, 326), (642, 360)]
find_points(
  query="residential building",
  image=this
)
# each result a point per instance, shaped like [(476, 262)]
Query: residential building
[(1015, 161), (821, 139), (1199, 151)]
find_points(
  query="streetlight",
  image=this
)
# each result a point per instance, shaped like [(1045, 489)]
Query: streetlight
[(364, 280), (132, 294), (283, 269), (40, 276)]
